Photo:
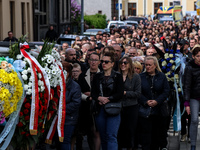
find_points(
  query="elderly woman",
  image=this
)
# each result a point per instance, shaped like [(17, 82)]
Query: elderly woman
[(155, 90)]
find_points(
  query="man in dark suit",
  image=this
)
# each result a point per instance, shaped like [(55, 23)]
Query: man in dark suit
[(86, 122)]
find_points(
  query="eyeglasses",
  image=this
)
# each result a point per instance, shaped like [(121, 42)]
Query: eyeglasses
[(124, 62), (94, 60), (105, 61)]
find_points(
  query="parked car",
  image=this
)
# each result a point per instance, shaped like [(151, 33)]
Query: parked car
[(113, 24), (134, 18), (89, 32), (131, 23)]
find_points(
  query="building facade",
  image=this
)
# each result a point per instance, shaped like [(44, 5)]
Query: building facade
[(33, 17), (16, 16), (150, 7), (50, 12)]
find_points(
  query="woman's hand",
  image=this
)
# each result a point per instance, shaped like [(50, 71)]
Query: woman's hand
[(103, 100), (187, 109), (152, 103)]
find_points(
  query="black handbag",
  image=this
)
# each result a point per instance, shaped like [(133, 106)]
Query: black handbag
[(111, 108), (144, 111)]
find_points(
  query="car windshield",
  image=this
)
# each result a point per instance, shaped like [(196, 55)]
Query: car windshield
[(116, 24), (93, 30)]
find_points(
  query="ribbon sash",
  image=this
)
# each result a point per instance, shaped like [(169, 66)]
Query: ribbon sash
[(35, 65), (35, 96), (62, 108)]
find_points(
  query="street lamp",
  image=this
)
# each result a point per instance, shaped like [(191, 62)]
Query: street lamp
[(82, 17)]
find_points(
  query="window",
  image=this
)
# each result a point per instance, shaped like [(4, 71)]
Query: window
[(170, 3), (23, 18), (195, 6), (43, 8), (99, 12), (156, 7), (132, 9), (113, 8), (12, 15)]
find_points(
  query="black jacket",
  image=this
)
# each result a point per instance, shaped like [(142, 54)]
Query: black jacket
[(73, 101), (112, 88), (191, 81), (51, 35), (133, 90), (157, 90)]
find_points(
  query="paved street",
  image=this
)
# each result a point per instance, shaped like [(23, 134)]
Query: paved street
[(186, 145)]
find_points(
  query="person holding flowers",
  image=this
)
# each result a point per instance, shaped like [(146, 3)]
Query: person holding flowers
[(191, 93)]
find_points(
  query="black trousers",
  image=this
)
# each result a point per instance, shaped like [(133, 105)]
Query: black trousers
[(127, 130), (184, 123), (152, 133)]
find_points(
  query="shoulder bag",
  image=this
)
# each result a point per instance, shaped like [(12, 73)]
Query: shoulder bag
[(111, 108)]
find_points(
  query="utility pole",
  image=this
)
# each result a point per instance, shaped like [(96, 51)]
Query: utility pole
[(82, 16), (119, 9)]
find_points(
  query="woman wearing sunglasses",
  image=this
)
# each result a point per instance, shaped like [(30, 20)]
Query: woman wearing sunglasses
[(129, 113), (107, 87)]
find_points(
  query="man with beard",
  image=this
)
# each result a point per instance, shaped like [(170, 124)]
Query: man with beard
[(118, 54), (70, 56)]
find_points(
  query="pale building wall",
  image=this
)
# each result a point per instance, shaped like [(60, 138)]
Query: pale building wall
[(187, 5), (17, 25), (92, 7)]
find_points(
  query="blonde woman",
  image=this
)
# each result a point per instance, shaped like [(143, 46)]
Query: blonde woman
[(154, 91), (138, 68)]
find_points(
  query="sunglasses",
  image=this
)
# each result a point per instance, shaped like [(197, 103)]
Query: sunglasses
[(124, 62), (105, 61)]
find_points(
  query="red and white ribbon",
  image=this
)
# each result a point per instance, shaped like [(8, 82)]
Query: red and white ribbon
[(62, 107), (60, 122), (35, 93), (52, 130)]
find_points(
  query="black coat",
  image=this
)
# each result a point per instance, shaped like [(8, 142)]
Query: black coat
[(113, 88), (73, 101), (159, 91), (51, 35), (133, 90), (191, 81)]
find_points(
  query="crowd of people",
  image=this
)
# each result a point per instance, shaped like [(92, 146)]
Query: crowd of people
[(123, 67), (115, 86)]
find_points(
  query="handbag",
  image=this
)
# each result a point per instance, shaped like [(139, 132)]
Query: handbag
[(144, 111), (111, 108)]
